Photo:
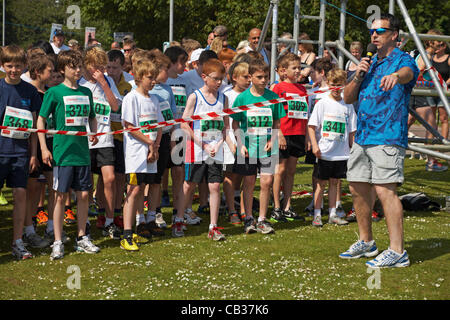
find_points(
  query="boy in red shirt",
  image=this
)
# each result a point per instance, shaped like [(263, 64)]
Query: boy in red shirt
[(293, 126)]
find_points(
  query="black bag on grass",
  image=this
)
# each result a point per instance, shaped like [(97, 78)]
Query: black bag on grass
[(418, 202)]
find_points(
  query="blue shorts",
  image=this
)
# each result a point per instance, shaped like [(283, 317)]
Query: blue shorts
[(78, 178), (15, 171)]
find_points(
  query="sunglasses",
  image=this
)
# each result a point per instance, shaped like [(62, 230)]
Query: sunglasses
[(379, 31)]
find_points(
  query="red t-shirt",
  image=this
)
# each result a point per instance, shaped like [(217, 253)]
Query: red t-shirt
[(296, 119)]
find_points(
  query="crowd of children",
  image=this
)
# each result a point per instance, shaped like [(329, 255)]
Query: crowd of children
[(91, 91)]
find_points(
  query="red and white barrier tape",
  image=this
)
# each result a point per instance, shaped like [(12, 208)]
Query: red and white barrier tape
[(210, 115)]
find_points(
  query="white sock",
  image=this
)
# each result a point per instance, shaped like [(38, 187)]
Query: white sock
[(29, 230), (49, 226), (261, 219), (108, 221), (332, 212), (140, 218), (317, 212), (151, 216), (178, 219), (338, 203), (19, 242)]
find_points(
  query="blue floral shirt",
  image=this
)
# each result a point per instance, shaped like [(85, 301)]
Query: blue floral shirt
[(383, 115)]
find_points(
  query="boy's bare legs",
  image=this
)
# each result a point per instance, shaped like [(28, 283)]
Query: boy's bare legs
[(318, 193), (177, 184), (228, 190), (332, 192), (288, 181), (32, 201), (214, 202), (120, 182), (363, 201), (266, 181), (51, 194), (248, 188), (109, 190), (130, 205), (58, 213), (82, 211), (154, 196), (19, 212), (280, 174), (203, 193)]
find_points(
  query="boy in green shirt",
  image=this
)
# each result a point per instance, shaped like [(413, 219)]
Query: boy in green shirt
[(71, 107), (257, 147)]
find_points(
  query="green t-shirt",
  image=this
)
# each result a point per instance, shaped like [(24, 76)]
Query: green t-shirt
[(256, 125), (71, 110)]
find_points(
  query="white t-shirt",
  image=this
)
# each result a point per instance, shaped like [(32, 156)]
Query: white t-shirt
[(334, 120), (57, 50), (25, 77), (228, 156), (102, 110), (139, 110)]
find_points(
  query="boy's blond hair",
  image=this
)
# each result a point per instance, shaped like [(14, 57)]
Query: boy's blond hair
[(237, 69), (95, 56), (336, 76), (13, 53), (144, 67)]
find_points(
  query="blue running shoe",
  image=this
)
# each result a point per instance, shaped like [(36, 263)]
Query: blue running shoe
[(389, 259), (360, 249)]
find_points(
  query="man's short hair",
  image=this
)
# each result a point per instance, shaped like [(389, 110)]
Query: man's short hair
[(213, 65), (70, 58), (206, 55), (129, 42), (114, 55), (394, 22), (220, 31), (284, 61), (190, 45), (13, 53), (258, 65), (175, 52), (322, 64)]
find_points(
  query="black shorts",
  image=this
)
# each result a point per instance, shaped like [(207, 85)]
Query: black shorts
[(77, 178), (176, 158), (163, 159), (310, 158), (15, 171), (42, 166), (119, 157), (295, 147), (101, 157), (252, 166), (325, 170), (136, 179), (418, 102), (203, 172)]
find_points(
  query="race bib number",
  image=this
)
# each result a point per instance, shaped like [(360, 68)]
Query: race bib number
[(146, 120), (259, 122), (180, 99), (166, 113), (76, 110), (211, 129), (102, 111), (116, 116), (333, 127), (298, 109), (18, 118)]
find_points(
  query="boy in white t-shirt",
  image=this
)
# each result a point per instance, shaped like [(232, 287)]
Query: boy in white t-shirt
[(331, 129), (107, 99), (139, 108)]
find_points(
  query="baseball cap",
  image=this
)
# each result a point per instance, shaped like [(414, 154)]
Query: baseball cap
[(195, 55), (58, 33)]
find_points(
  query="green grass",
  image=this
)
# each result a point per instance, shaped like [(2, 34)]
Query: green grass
[(297, 262)]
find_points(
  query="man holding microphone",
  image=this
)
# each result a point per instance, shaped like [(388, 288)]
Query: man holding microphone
[(382, 89)]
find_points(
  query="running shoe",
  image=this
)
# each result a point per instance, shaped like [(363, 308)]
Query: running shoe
[(86, 245), (69, 217), (19, 251), (234, 218), (93, 210), (310, 209), (277, 216), (351, 216), (202, 209), (111, 231), (249, 225), (142, 231), (41, 217), (435, 166), (160, 221), (145, 205), (140, 240), (35, 241), (190, 218), (101, 219), (338, 221), (360, 249), (292, 216), (215, 234), (3, 201), (118, 221), (340, 211), (376, 216), (177, 229), (50, 237), (389, 259), (153, 228), (264, 227), (129, 244), (57, 250), (317, 221)]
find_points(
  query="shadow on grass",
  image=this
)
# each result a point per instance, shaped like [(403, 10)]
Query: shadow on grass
[(427, 249)]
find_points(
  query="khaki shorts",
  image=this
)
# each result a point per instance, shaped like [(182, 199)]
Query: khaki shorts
[(376, 164)]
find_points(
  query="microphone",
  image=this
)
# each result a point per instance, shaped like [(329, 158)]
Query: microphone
[(371, 50)]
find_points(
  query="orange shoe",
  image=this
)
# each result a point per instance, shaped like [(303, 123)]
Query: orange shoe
[(41, 217), (69, 217)]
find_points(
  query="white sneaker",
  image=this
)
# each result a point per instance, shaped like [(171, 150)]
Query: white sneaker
[(337, 220), (360, 249), (160, 221), (317, 221), (389, 259), (57, 250), (85, 245), (19, 251), (340, 212), (191, 218)]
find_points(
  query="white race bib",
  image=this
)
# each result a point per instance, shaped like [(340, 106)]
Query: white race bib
[(180, 99), (259, 122), (147, 119), (166, 113), (298, 109), (333, 127), (102, 111), (18, 118), (76, 110)]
